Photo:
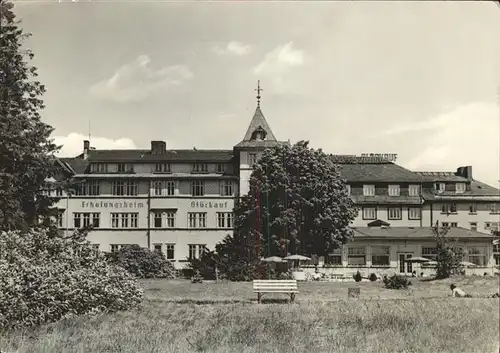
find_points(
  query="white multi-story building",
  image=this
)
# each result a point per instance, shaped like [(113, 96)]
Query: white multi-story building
[(181, 201)]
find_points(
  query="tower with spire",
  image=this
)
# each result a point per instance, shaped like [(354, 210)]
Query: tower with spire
[(258, 137)]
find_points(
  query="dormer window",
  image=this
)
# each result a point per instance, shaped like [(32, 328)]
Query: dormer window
[(221, 168), (125, 168), (440, 187), (394, 190), (163, 168), (200, 168), (98, 168), (460, 187), (259, 134)]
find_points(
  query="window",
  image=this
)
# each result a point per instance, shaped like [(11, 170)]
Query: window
[(492, 226), (95, 249), (460, 187), (157, 186), (335, 257), (170, 251), (414, 190), (96, 220), (171, 219), (60, 219), (440, 187), (394, 190), (445, 224), (494, 208), (430, 253), (89, 188), (225, 219), (227, 188), (221, 168), (163, 168), (115, 247), (394, 213), (157, 220), (252, 159), (157, 247), (125, 168), (124, 220), (198, 188), (453, 224), (98, 168), (114, 220), (473, 208), (369, 212), (496, 254), (77, 220), (368, 190), (449, 208), (380, 255), (195, 250), (414, 213), (473, 226), (200, 168), (124, 188), (477, 255), (356, 256), (134, 218), (170, 187), (59, 192), (197, 219)]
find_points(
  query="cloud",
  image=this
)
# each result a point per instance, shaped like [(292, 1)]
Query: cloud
[(278, 63), (73, 144), (137, 81), (466, 135), (233, 48)]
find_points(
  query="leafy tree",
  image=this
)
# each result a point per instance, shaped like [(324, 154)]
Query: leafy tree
[(26, 150), (449, 255), (302, 201)]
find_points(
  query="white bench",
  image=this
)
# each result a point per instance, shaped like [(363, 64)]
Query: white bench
[(275, 286)]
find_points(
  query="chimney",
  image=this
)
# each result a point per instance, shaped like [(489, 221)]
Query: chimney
[(158, 147), (465, 172), (86, 148)]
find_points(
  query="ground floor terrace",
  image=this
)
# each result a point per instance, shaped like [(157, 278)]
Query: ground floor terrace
[(386, 251)]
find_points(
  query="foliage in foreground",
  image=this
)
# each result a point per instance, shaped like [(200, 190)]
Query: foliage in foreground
[(142, 262), (396, 282), (45, 276)]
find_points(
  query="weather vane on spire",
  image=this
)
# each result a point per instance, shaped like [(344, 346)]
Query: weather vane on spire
[(258, 93)]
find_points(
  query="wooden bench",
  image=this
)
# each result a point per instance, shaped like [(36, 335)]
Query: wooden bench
[(275, 286)]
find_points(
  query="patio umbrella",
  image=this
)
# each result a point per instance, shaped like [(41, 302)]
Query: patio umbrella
[(418, 259), (298, 257), (273, 259)]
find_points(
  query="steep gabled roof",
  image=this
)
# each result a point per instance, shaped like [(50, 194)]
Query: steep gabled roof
[(259, 121)]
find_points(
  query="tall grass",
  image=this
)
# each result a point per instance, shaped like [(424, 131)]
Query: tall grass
[(387, 326)]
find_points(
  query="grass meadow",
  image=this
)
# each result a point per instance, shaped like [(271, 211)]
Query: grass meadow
[(178, 316)]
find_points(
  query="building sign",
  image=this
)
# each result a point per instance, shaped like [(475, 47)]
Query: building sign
[(208, 204), (391, 157), (110, 204)]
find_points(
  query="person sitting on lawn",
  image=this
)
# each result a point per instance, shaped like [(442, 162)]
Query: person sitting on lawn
[(458, 292)]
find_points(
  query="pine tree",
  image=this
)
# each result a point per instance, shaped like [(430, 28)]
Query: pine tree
[(26, 150)]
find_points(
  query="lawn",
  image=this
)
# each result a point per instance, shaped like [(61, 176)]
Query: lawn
[(420, 319)]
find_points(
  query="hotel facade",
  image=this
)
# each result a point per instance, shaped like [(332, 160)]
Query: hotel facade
[(181, 201)]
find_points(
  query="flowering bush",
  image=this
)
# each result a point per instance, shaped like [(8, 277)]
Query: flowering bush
[(45, 277), (142, 262)]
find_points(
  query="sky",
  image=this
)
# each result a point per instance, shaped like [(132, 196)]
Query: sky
[(420, 79)]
